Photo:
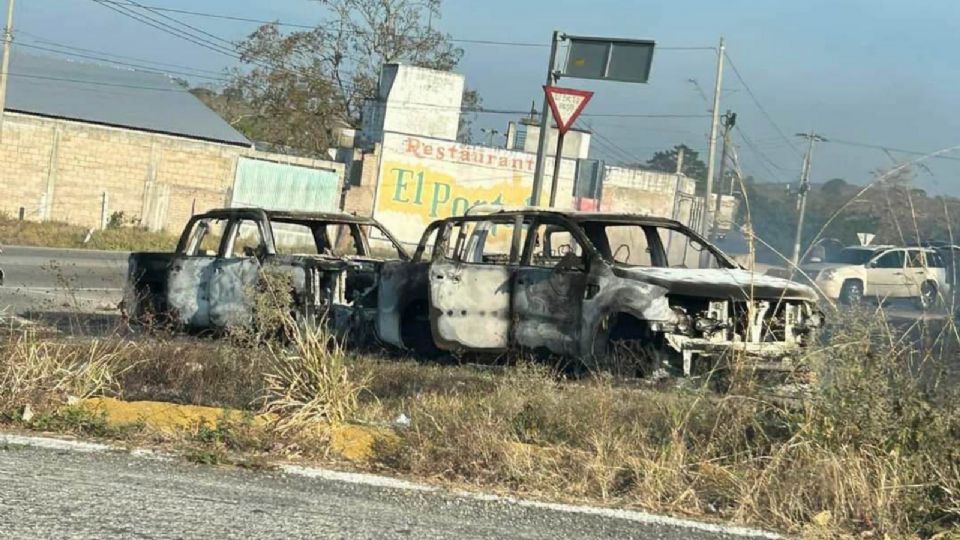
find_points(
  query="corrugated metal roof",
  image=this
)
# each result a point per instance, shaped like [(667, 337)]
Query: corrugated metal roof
[(112, 96)]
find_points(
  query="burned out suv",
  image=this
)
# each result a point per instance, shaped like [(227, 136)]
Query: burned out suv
[(332, 259), (588, 286)]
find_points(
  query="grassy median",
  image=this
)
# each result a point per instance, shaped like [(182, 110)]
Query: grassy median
[(874, 451)]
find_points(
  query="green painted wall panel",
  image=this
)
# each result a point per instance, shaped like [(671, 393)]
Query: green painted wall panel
[(278, 186)]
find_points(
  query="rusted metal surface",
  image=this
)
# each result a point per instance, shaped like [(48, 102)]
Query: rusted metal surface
[(213, 291), (474, 304)]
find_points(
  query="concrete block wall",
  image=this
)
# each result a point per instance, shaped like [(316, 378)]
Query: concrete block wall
[(645, 192), (59, 169)]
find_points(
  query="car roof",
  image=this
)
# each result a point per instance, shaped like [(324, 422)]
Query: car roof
[(339, 217), (574, 215)]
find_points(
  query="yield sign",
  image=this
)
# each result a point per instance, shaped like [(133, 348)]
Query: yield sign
[(566, 104)]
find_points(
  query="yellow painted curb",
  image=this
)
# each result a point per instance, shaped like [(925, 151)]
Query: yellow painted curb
[(360, 443), (352, 442), (164, 417)]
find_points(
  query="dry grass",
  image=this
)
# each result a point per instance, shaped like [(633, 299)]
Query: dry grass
[(875, 450), (41, 373), (64, 235), (308, 381)]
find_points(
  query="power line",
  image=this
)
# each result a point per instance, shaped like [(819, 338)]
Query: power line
[(227, 17), (762, 109), (235, 18), (166, 28), (890, 148), (177, 21), (764, 159)]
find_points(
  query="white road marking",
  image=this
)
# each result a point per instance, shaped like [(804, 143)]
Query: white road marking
[(374, 480)]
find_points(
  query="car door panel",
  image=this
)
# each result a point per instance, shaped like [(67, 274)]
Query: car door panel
[(232, 286), (546, 307), (188, 290), (885, 275), (401, 284), (470, 305)]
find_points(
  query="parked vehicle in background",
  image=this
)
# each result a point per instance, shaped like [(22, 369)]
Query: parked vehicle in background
[(625, 293), (332, 260), (881, 272)]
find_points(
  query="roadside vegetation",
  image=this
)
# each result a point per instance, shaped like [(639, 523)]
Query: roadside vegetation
[(119, 235), (873, 451)]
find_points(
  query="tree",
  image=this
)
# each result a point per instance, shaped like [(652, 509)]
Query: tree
[(471, 102), (301, 86), (693, 167)]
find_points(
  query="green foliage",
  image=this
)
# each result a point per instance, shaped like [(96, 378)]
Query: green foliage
[(299, 87), (890, 208), (666, 161)]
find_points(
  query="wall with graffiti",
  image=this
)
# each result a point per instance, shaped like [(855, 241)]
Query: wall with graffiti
[(422, 179)]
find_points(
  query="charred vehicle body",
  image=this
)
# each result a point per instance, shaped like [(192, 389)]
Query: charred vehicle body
[(587, 286), (332, 261)]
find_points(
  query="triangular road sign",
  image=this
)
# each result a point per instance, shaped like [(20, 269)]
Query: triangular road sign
[(566, 104), (865, 238)]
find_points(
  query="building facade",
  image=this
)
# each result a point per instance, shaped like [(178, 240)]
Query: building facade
[(100, 141)]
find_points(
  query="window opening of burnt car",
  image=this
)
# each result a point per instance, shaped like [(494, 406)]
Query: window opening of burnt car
[(552, 245), (627, 244), (295, 237), (342, 240), (379, 246), (205, 237), (485, 240), (246, 240)]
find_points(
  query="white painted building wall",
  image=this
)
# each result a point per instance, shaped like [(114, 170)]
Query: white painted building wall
[(576, 143), (416, 101)]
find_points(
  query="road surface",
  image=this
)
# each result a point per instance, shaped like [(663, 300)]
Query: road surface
[(47, 283), (68, 494)]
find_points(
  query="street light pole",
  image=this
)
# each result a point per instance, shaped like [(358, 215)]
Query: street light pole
[(804, 188), (545, 124), (705, 225), (5, 66), (729, 121)]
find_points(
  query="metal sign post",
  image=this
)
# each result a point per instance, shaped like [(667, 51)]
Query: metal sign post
[(606, 59), (566, 104)]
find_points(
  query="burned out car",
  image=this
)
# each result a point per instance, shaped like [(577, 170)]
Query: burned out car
[(588, 286), (331, 259)]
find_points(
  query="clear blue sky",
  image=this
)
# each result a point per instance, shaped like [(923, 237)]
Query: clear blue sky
[(879, 72)]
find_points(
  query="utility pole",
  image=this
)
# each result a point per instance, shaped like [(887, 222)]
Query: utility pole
[(545, 124), (705, 226), (729, 120), (5, 67), (804, 188)]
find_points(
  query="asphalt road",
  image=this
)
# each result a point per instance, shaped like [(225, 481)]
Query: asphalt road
[(68, 494), (52, 280)]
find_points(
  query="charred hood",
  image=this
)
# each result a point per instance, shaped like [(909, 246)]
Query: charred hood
[(734, 284)]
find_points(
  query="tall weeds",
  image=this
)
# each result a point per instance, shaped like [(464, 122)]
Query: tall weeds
[(40, 372)]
